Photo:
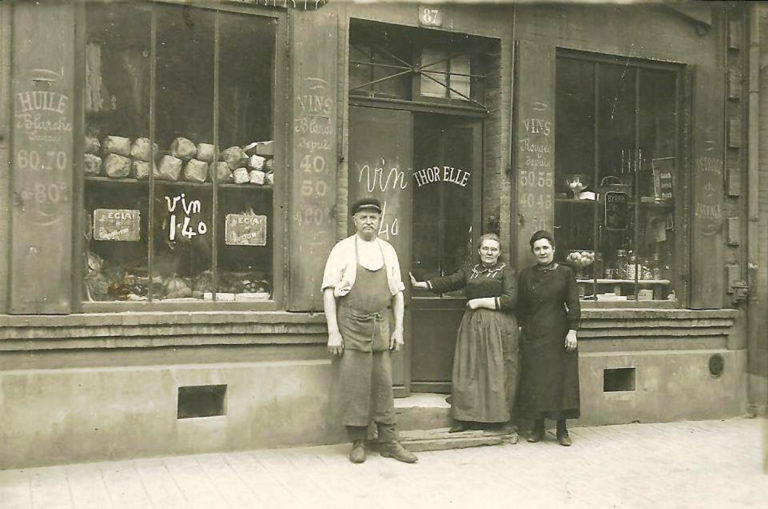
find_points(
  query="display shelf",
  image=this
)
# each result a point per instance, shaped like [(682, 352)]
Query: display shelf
[(602, 281), (177, 183), (646, 201)]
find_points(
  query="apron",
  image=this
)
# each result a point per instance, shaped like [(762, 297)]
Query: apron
[(365, 370)]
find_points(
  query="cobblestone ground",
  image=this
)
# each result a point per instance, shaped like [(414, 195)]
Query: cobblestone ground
[(689, 464)]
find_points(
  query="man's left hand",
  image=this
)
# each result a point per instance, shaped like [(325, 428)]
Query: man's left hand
[(396, 340)]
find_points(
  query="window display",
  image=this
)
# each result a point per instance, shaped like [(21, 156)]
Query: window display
[(616, 167), (179, 154)]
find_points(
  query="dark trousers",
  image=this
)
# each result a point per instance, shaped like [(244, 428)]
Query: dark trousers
[(387, 432)]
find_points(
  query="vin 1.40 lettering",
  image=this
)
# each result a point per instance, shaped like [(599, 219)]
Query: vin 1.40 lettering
[(34, 160)]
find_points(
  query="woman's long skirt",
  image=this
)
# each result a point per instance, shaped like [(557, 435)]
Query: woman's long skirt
[(485, 367)]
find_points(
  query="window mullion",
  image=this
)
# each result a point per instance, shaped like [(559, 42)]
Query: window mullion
[(636, 184), (214, 176), (596, 175), (152, 118)]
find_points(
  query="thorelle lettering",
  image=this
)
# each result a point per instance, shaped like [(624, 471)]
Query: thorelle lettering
[(433, 174)]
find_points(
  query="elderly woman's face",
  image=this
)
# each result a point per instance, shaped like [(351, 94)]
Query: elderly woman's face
[(489, 250), (543, 251)]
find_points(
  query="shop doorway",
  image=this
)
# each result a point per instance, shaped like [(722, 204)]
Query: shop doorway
[(427, 170)]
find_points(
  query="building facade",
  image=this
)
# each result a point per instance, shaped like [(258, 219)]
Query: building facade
[(173, 175)]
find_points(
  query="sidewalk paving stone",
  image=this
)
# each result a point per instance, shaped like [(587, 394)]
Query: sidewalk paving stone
[(704, 464)]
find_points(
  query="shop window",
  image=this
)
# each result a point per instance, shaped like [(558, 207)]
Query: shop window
[(618, 177), (179, 169), (444, 75)]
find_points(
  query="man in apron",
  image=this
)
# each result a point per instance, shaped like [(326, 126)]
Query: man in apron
[(362, 293)]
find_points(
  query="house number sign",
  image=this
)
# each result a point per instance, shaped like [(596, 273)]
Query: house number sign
[(430, 16)]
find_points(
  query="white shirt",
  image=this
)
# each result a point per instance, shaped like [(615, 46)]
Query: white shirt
[(341, 267)]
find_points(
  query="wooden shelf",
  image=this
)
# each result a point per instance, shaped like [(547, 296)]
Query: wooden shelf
[(178, 183), (601, 281), (645, 201)]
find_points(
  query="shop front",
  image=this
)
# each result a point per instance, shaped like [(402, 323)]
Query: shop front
[(179, 171)]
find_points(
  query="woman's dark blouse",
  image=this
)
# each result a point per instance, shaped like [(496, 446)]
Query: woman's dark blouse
[(548, 301), (497, 281)]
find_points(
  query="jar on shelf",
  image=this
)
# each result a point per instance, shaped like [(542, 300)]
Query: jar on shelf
[(620, 271), (631, 266)]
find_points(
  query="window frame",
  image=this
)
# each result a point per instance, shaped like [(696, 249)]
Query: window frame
[(681, 205), (280, 102)]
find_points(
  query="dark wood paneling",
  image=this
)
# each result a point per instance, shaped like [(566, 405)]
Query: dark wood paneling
[(707, 262), (534, 144), (380, 165), (42, 158), (312, 223)]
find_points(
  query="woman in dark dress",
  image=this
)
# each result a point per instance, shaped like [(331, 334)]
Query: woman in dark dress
[(549, 313), (485, 360)]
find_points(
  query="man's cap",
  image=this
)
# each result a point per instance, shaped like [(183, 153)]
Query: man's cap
[(369, 203)]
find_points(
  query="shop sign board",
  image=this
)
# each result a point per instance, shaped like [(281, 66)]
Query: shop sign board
[(616, 210), (120, 225), (245, 230)]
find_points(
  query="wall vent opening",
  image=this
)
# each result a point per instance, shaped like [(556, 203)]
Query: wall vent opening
[(201, 401), (618, 379)]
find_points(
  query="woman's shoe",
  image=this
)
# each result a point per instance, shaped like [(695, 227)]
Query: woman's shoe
[(563, 438), (460, 426), (537, 433)]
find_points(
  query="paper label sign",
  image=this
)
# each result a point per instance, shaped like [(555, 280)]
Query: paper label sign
[(116, 224), (245, 230)]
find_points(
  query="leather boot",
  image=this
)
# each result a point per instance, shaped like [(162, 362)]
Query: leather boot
[(396, 451), (537, 433), (563, 438), (357, 453)]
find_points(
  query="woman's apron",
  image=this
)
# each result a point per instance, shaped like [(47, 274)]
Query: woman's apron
[(364, 316)]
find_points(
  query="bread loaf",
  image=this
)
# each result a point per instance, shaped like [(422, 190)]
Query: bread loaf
[(117, 145), (256, 162), (205, 152), (257, 177), (241, 176), (140, 169), (92, 164), (117, 166), (169, 168), (92, 145), (234, 157), (141, 149), (270, 178), (222, 172), (196, 171), (260, 148), (269, 165), (183, 149)]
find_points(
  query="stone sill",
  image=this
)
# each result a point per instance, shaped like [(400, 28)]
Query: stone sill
[(223, 328)]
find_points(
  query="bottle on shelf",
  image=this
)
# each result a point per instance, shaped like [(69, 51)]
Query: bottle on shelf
[(620, 271)]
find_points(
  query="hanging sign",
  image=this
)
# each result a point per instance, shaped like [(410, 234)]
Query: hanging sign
[(616, 210), (245, 230), (450, 174), (116, 225)]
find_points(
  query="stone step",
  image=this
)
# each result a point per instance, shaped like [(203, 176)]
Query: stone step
[(441, 439), (423, 411)]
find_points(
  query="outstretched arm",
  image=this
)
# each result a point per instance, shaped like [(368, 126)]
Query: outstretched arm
[(335, 341)]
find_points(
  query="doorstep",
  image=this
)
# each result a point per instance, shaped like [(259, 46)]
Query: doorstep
[(423, 421)]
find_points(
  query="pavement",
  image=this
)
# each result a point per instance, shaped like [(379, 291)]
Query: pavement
[(696, 464)]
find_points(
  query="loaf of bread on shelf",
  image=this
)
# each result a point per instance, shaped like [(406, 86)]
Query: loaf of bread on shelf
[(257, 177), (270, 178), (269, 165), (234, 157), (169, 168), (140, 169), (260, 148), (205, 152), (117, 166), (222, 172), (241, 176), (256, 162), (117, 145), (196, 170), (141, 149), (92, 145), (92, 164), (183, 149)]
